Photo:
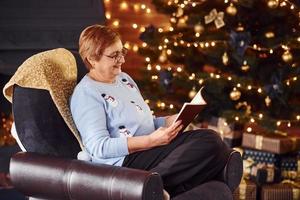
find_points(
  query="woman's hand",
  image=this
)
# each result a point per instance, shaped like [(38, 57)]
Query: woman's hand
[(170, 119), (164, 135)]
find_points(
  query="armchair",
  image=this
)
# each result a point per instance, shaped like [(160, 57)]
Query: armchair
[(49, 169)]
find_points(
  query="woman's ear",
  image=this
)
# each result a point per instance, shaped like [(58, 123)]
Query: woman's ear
[(91, 61)]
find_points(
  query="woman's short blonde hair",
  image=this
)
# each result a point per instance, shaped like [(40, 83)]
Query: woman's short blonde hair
[(94, 40)]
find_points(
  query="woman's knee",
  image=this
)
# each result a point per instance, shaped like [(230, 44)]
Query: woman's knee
[(210, 137)]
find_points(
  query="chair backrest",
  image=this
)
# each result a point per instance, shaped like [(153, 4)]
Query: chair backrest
[(39, 125)]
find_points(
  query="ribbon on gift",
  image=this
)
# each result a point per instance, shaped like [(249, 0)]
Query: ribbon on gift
[(216, 17), (259, 141), (242, 189), (296, 190)]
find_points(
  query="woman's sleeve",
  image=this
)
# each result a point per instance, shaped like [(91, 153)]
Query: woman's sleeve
[(90, 118), (159, 122)]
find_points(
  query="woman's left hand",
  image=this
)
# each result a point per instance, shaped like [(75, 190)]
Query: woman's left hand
[(170, 119)]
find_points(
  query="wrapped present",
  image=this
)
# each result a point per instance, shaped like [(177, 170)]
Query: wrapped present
[(262, 157), (230, 133), (245, 191), (273, 143), (290, 167), (287, 190)]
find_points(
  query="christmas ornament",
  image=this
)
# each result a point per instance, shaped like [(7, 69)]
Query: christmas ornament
[(192, 93), (225, 58), (235, 94), (268, 101), (163, 57), (231, 10), (244, 105), (216, 17), (245, 67), (287, 56), (181, 22), (180, 12), (273, 4), (269, 34), (198, 28)]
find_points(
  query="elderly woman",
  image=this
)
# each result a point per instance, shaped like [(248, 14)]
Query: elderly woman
[(117, 126)]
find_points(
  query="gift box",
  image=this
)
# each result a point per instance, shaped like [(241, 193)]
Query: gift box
[(282, 191), (290, 167), (230, 133), (246, 191), (273, 143)]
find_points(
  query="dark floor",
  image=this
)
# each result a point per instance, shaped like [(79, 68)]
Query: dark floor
[(7, 192)]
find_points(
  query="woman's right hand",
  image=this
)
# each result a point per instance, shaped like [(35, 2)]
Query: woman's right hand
[(164, 135)]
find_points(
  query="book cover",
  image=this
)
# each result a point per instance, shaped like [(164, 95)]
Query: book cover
[(190, 110)]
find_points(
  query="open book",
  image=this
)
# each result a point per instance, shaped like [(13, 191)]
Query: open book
[(190, 110)]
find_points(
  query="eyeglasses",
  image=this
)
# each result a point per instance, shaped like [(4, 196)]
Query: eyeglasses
[(118, 55)]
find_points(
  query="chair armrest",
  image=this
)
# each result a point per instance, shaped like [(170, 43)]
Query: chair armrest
[(49, 177)]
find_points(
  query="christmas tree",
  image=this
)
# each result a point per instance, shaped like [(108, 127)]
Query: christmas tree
[(245, 53)]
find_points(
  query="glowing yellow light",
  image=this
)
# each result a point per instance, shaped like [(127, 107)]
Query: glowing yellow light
[(271, 51), (176, 1), (142, 29), (171, 29), (182, 5), (292, 7), (169, 3), (289, 124), (147, 101), (123, 5), (160, 30), (206, 44), (107, 15), (252, 120), (175, 44), (255, 46), (194, 4), (135, 48), (225, 124), (143, 6), (195, 45), (148, 10), (259, 90), (212, 75), (181, 42), (136, 7), (249, 129), (107, 1), (218, 76), (298, 117), (171, 106), (116, 23), (154, 77), (260, 116), (166, 40), (149, 67), (229, 78), (201, 81), (249, 87), (144, 44), (236, 118), (160, 47), (127, 45), (197, 34), (135, 26), (287, 82), (173, 20), (179, 69), (213, 44), (278, 123), (169, 51), (295, 78), (238, 85), (147, 59), (158, 67)]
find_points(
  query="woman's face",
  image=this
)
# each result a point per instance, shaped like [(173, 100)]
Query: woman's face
[(109, 65)]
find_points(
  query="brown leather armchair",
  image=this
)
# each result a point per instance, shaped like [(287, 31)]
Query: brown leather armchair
[(49, 169)]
